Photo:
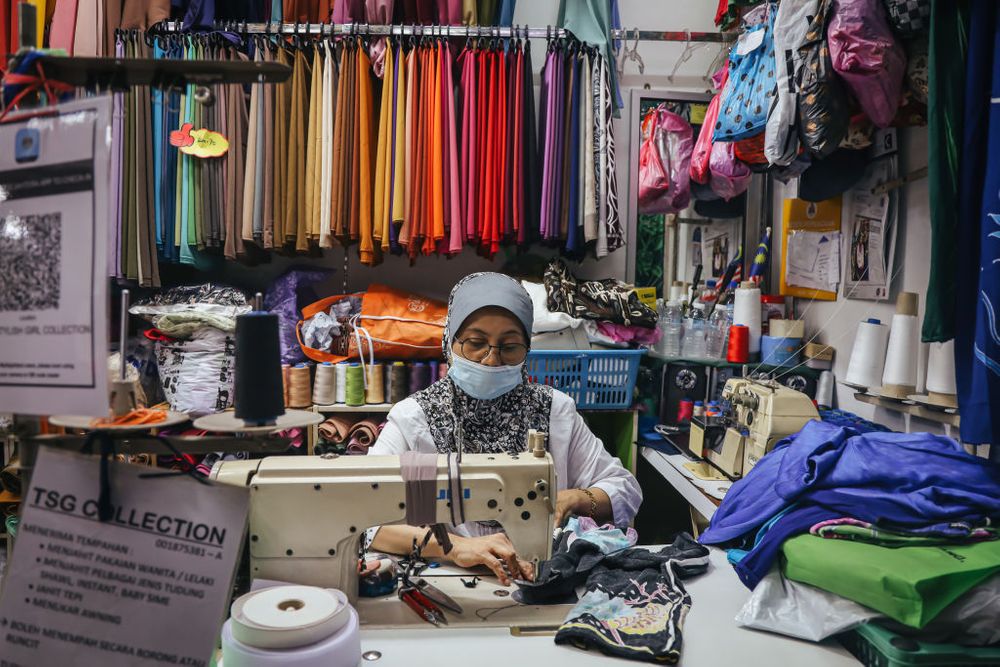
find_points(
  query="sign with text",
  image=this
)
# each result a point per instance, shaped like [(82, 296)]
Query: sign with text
[(151, 586), (54, 210)]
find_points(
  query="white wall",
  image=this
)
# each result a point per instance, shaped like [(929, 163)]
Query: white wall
[(837, 321)]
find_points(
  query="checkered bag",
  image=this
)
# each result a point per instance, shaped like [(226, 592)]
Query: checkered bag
[(909, 17)]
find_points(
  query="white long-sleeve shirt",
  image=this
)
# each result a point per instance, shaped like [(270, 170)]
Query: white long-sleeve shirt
[(580, 458)]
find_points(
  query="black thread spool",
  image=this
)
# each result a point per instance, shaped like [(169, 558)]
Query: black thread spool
[(259, 396)]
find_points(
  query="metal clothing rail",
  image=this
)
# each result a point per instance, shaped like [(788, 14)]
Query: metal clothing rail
[(379, 30)]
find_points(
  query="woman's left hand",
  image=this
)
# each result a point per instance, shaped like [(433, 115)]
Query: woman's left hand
[(571, 501)]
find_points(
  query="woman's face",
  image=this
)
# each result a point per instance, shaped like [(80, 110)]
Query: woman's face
[(494, 327)]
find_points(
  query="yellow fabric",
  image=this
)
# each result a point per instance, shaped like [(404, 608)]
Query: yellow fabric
[(313, 151), (399, 149), (280, 198)]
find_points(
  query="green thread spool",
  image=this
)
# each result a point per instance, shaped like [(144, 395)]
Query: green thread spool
[(354, 390)]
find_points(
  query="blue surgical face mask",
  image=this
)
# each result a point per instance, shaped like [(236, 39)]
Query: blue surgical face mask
[(483, 382)]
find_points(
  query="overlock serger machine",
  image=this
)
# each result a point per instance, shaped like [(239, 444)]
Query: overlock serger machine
[(308, 514), (758, 413)]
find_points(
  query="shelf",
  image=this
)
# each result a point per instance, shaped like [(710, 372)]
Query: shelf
[(941, 417), (340, 407)]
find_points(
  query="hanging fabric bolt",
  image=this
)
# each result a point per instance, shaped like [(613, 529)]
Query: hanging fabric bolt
[(325, 384), (354, 385), (375, 394)]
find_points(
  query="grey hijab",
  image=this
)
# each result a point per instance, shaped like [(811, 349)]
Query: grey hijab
[(491, 426)]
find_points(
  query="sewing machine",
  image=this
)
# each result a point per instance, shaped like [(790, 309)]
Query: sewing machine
[(758, 413), (308, 514)]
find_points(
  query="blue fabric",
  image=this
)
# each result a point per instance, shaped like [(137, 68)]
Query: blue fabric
[(507, 13), (758, 561), (977, 341), (909, 480)]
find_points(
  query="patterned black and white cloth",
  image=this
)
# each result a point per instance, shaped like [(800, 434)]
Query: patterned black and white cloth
[(610, 300), (909, 17), (635, 604)]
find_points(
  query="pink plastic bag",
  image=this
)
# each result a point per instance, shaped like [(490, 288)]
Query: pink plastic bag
[(699, 171), (654, 182), (730, 177), (868, 57), (665, 163)]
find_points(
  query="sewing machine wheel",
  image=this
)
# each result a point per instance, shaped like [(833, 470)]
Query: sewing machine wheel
[(796, 382), (686, 379)]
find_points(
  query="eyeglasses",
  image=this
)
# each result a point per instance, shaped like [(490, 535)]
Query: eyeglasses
[(477, 349)]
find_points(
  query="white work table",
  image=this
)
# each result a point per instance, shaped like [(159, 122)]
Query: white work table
[(666, 466), (710, 634)]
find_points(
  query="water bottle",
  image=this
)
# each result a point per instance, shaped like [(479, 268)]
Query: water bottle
[(716, 334), (694, 336), (671, 327)]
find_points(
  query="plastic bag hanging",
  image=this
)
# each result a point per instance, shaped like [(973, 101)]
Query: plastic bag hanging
[(751, 86)]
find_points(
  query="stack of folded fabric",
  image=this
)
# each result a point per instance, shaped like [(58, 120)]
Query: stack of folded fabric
[(346, 435), (834, 528)]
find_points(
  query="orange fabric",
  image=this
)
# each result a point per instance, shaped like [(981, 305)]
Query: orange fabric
[(436, 219), (410, 173), (401, 325)]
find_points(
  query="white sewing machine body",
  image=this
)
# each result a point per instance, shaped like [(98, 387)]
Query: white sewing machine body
[(760, 413), (308, 514)]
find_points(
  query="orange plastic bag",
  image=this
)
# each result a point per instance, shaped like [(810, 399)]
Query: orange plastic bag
[(392, 324)]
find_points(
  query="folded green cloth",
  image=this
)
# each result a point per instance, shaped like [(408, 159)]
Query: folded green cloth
[(909, 584), (889, 538)]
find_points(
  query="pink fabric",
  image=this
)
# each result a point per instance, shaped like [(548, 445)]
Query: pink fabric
[(702, 152), (449, 12), (623, 334), (868, 57), (349, 11), (63, 26), (453, 213), (378, 12), (665, 163), (730, 177)]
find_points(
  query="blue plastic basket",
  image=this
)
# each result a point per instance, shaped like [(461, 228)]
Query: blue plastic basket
[(595, 379)]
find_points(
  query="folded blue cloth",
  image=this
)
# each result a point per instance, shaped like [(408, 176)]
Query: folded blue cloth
[(908, 480)]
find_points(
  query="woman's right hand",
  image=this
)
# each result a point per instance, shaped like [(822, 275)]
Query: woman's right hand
[(495, 552)]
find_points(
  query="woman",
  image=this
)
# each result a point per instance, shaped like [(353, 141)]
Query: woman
[(486, 404)]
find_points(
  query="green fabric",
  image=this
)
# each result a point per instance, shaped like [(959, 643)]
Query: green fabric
[(909, 584), (880, 537), (946, 74), (590, 22), (649, 253), (182, 325)]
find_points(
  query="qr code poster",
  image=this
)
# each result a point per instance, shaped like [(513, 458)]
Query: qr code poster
[(54, 189), (30, 261)]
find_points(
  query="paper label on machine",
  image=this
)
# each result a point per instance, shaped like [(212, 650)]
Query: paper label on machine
[(53, 238), (79, 591)]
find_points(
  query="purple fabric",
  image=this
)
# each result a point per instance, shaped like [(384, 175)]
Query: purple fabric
[(548, 103), (558, 143), (890, 479), (282, 298), (868, 57)]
